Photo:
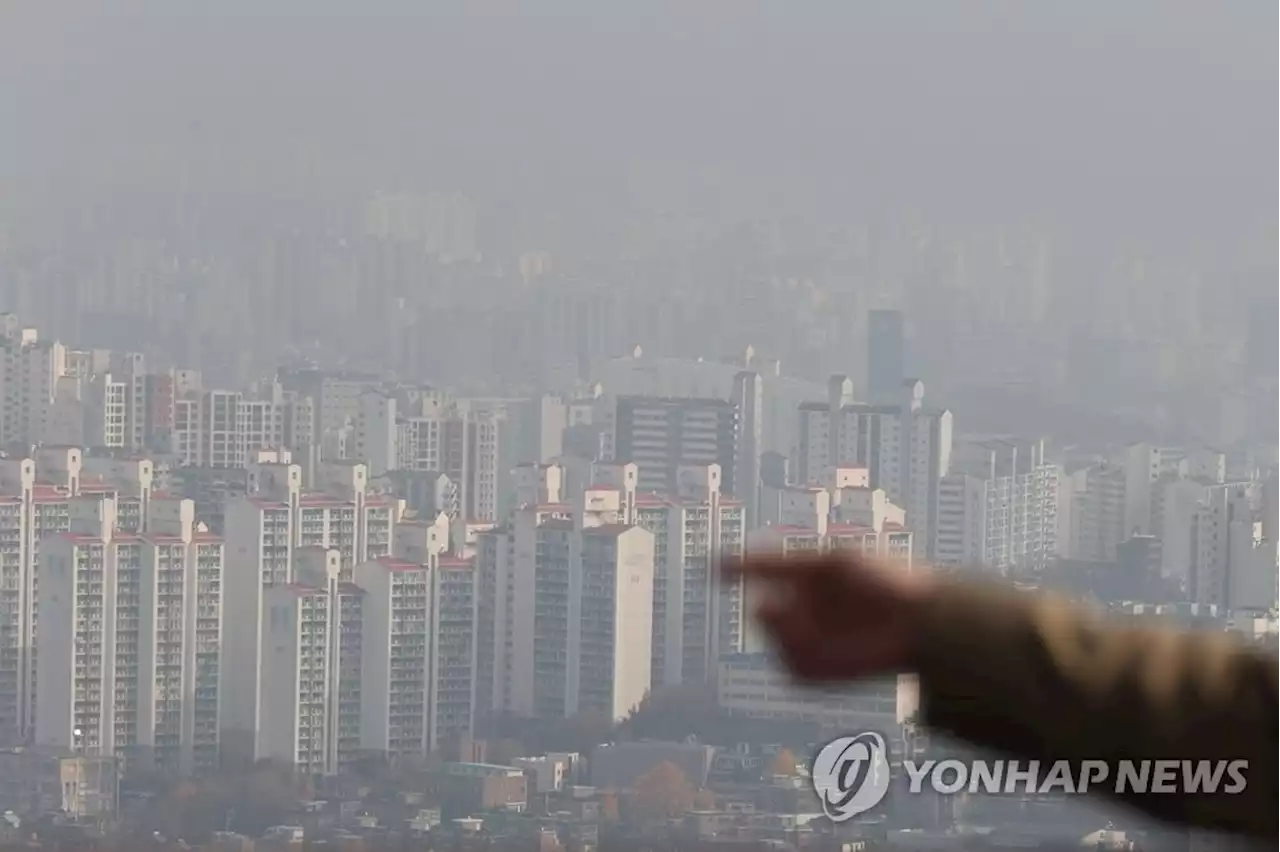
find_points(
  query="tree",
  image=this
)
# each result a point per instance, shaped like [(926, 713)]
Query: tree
[(662, 793), (784, 763), (704, 800), (674, 713)]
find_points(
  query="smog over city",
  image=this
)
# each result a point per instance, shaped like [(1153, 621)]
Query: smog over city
[(386, 385)]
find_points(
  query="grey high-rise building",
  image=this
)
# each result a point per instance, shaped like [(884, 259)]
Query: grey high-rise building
[(886, 356), (663, 434)]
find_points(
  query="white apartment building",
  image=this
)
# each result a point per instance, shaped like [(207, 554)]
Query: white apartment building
[(334, 397), (103, 409), (454, 613), (479, 456), (418, 641), (35, 495), (906, 449), (377, 432), (609, 663), (396, 657), (130, 637), (296, 677), (503, 674), (422, 420), (472, 442), (219, 428), (110, 393), (696, 617), (318, 733), (30, 369), (998, 507), (566, 608), (266, 531)]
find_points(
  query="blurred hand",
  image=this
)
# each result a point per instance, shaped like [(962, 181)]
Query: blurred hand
[(836, 616)]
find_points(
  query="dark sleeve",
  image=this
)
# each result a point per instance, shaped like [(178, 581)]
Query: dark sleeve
[(1040, 679)]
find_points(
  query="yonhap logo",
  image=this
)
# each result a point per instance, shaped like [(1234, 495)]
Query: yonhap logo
[(851, 775)]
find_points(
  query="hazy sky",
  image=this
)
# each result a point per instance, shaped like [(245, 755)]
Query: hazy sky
[(1152, 118)]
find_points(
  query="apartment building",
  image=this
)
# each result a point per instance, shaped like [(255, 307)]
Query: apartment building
[(335, 395), (220, 428), (906, 449), (1232, 566), (565, 616), (129, 634), (296, 677), (396, 657), (455, 605), (471, 441), (35, 495), (998, 507), (610, 658), (479, 455), (696, 616), (30, 369), (267, 531), (662, 435), (641, 374)]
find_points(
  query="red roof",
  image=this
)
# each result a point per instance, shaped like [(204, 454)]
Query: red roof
[(391, 563), (322, 501), (300, 589), (850, 529)]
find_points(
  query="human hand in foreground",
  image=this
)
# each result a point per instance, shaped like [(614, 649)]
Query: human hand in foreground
[(837, 616)]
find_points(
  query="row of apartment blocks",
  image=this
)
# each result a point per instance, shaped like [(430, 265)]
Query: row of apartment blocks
[(1003, 504), (322, 625), (117, 400), (53, 395)]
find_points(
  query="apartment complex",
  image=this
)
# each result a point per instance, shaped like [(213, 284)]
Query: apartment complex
[(566, 620), (998, 507), (268, 532), (296, 677), (36, 493), (696, 617), (905, 447), (130, 637), (418, 664)]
